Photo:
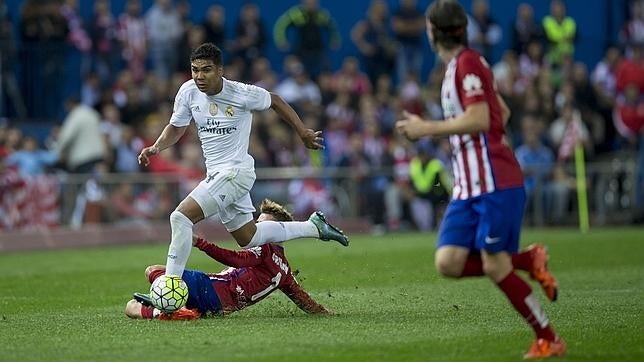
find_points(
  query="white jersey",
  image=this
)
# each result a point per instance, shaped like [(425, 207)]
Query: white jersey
[(223, 121)]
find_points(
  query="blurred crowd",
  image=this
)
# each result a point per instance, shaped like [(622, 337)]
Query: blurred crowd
[(133, 62)]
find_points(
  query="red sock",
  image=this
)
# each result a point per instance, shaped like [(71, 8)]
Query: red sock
[(147, 312), (520, 295), (473, 266), (522, 261), (154, 275)]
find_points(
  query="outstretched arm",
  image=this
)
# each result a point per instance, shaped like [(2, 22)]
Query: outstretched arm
[(312, 139), (476, 118), (235, 259), (170, 135), (302, 299)]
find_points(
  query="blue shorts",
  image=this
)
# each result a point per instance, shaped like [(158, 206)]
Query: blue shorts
[(201, 294), (490, 222)]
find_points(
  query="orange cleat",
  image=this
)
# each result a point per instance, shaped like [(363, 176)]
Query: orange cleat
[(540, 272), (542, 348), (182, 314)]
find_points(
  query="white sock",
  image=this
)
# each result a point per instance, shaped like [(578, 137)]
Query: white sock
[(181, 244), (277, 231)]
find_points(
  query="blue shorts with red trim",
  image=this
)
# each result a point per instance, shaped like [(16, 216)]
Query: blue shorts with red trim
[(201, 293), (490, 222)]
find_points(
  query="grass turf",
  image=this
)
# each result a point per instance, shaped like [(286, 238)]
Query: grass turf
[(389, 304)]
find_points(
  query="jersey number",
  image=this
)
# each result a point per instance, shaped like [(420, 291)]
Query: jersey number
[(275, 281)]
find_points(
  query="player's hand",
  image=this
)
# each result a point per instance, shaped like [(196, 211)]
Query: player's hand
[(313, 139), (195, 239), (412, 126), (144, 156)]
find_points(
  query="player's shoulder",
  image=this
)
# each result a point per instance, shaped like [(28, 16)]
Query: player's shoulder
[(239, 88), (188, 86), (471, 58)]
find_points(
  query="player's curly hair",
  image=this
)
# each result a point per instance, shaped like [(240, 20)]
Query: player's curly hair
[(208, 51), (449, 23), (273, 208)]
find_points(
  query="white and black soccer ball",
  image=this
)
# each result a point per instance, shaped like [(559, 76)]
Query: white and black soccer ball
[(169, 293)]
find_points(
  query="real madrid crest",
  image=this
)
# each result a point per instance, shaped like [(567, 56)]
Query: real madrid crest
[(229, 111), (213, 108)]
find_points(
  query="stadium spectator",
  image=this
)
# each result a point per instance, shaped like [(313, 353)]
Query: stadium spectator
[(486, 211), (164, 32), (372, 38), (629, 113), (128, 206), (530, 62), (224, 136), (194, 36), (564, 134), (631, 69), (126, 151), (12, 194), (408, 25), (431, 186), (12, 139), (536, 162), (133, 39), (103, 31), (250, 35), (215, 25), (525, 29), (30, 160), (316, 32), (632, 32), (568, 130), (604, 83), (80, 144), (299, 90), (483, 32), (350, 79), (249, 270), (561, 33)]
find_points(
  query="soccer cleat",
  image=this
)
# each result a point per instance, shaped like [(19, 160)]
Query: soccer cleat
[(181, 314), (539, 271), (542, 348), (327, 231), (143, 299)]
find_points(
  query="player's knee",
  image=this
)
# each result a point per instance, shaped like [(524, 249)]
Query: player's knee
[(447, 268), (151, 269), (177, 217), (495, 270), (133, 309)]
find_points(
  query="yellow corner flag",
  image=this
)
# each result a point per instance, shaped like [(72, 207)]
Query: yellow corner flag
[(582, 198)]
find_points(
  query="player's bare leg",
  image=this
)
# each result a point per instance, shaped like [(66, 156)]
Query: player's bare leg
[(450, 260)]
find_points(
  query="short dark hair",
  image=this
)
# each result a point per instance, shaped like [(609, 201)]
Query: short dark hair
[(449, 23), (207, 51), (276, 210)]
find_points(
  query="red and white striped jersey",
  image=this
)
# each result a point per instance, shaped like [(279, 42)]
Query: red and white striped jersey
[(481, 162)]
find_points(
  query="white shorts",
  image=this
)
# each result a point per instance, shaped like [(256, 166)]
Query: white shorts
[(226, 194)]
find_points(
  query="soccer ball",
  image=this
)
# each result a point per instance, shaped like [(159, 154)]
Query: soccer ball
[(168, 293)]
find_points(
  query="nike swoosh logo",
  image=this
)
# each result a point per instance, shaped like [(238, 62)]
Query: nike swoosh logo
[(489, 240)]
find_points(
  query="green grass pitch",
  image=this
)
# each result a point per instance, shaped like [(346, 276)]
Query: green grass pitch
[(389, 304)]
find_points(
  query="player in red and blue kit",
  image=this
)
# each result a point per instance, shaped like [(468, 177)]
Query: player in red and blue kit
[(480, 231), (252, 275)]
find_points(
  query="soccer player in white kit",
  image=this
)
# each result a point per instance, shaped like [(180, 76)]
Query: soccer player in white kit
[(222, 110)]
